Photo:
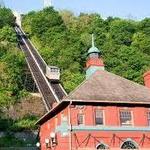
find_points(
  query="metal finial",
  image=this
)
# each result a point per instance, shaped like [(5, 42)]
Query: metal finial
[(93, 44)]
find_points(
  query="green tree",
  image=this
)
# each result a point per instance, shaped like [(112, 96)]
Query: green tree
[(142, 42), (66, 39), (144, 26), (7, 34), (6, 17), (121, 31)]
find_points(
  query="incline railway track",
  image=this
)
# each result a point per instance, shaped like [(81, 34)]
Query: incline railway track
[(57, 87), (37, 56), (51, 91)]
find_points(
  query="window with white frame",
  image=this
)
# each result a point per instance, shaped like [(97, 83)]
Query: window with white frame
[(80, 119), (125, 118), (102, 146), (129, 144), (148, 118), (99, 117)]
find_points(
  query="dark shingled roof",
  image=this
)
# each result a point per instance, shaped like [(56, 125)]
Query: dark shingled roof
[(104, 86)]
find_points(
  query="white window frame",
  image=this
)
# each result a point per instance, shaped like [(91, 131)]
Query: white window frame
[(83, 119), (148, 117), (132, 119), (103, 112)]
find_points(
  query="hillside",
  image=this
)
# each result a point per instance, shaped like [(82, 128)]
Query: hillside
[(14, 98), (12, 63), (63, 40)]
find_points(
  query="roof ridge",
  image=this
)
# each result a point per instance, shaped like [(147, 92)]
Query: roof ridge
[(133, 82), (75, 89), (104, 85)]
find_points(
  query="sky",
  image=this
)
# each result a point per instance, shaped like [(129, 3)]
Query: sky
[(132, 9)]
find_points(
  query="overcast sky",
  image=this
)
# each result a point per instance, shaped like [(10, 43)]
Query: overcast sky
[(136, 9)]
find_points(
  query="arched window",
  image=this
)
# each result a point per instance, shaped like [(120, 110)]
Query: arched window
[(129, 144), (102, 146)]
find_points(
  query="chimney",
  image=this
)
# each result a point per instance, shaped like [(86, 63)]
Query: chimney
[(147, 79)]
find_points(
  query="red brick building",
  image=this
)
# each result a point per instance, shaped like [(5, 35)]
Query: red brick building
[(105, 112)]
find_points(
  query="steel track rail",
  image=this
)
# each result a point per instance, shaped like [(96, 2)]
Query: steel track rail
[(49, 96), (51, 91), (57, 87)]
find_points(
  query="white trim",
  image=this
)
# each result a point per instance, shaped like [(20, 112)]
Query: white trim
[(83, 114), (148, 117), (101, 143), (107, 101), (104, 117), (63, 90), (126, 110), (134, 143), (53, 109), (132, 119), (103, 113)]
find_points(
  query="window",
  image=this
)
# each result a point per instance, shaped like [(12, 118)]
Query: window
[(54, 70), (79, 106), (99, 117), (94, 55), (129, 144), (148, 118), (80, 119), (125, 118), (102, 146)]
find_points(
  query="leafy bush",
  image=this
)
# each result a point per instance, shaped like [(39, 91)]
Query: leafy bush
[(10, 141), (25, 123), (12, 61)]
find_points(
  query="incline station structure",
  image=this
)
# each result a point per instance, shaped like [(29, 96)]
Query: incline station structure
[(105, 112)]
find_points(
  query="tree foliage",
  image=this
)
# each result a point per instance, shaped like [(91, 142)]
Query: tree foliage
[(11, 61), (63, 40), (6, 17)]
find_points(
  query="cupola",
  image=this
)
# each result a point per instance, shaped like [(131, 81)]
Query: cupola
[(94, 60)]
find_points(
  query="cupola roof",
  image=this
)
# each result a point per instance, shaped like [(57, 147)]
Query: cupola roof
[(93, 49)]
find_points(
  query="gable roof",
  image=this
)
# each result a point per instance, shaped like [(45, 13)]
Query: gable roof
[(104, 86)]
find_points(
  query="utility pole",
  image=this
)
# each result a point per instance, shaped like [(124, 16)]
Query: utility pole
[(47, 3)]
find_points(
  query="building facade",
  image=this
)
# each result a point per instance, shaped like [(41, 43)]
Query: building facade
[(105, 112)]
